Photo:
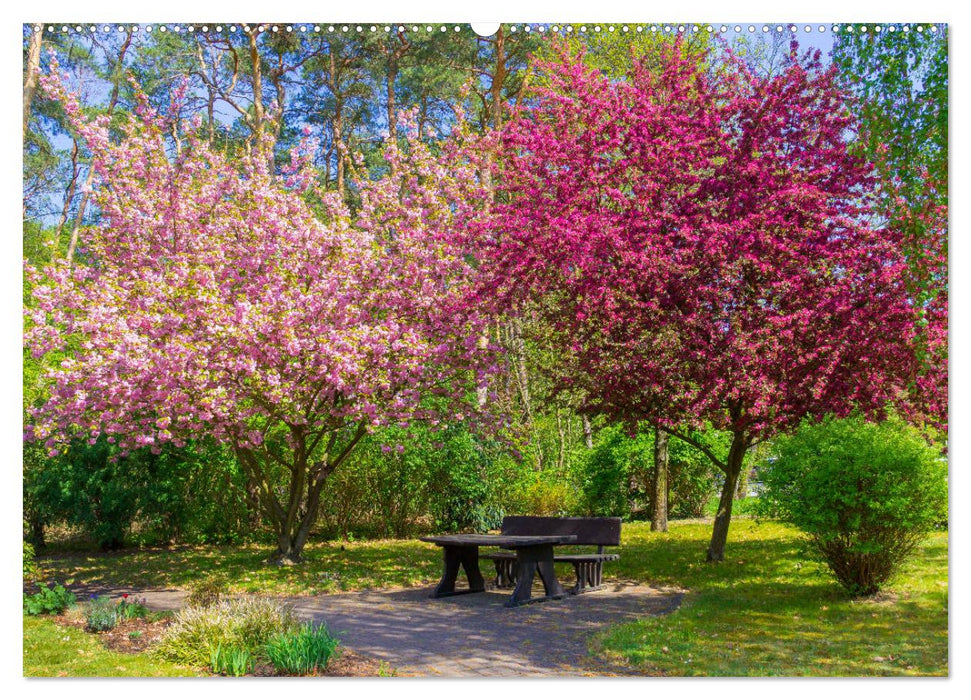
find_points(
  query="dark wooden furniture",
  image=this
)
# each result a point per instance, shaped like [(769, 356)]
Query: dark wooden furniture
[(533, 554), (601, 532)]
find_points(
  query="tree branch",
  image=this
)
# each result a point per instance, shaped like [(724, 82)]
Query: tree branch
[(698, 446)]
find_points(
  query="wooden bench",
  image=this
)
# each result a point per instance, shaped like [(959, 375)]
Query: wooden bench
[(601, 532)]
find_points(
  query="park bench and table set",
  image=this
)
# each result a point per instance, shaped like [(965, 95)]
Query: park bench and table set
[(526, 548)]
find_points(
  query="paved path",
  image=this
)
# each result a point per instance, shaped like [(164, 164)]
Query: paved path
[(468, 635)]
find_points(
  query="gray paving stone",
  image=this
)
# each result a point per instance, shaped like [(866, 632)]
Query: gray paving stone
[(467, 635)]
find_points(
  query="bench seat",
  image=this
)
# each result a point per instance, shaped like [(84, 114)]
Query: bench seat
[(588, 566), (586, 557), (592, 556)]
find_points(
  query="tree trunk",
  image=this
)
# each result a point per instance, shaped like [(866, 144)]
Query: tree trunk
[(498, 78), (258, 114), (337, 129), (587, 431), (741, 488), (733, 467), (291, 520), (392, 108), (659, 514), (518, 348), (68, 200), (33, 67), (482, 389), (37, 535)]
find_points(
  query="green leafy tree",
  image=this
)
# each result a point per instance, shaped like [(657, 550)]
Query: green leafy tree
[(900, 82)]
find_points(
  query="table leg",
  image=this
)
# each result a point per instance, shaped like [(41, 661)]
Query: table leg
[(466, 557), (532, 560)]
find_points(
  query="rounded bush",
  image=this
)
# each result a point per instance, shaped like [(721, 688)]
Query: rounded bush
[(865, 493)]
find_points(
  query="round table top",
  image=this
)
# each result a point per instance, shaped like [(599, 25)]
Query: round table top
[(507, 541)]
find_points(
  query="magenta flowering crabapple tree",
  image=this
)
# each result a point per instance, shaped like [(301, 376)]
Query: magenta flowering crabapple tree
[(215, 302), (699, 240)]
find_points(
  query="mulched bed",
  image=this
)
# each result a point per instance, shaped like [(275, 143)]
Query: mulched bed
[(347, 664), (128, 636), (135, 636)]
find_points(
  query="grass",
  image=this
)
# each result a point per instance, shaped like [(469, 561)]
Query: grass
[(54, 650), (766, 611), (331, 567)]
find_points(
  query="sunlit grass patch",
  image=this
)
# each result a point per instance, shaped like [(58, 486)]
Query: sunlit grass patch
[(768, 610), (54, 650), (331, 567)]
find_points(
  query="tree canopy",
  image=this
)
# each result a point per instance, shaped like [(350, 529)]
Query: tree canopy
[(704, 246)]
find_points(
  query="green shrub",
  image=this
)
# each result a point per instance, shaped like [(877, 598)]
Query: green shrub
[(616, 477), (101, 614), (230, 661), (865, 493), (400, 480), (206, 592), (304, 651), (245, 623), (691, 475), (192, 494), (31, 570), (49, 601), (545, 493)]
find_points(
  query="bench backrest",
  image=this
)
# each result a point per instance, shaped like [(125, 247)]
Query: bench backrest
[(599, 531)]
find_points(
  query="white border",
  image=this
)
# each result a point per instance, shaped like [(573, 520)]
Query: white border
[(827, 11)]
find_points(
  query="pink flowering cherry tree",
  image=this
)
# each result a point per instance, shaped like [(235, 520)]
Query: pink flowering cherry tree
[(214, 302), (701, 244)]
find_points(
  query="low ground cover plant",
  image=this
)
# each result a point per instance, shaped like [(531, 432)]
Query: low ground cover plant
[(768, 611), (130, 608), (49, 601), (865, 493), (101, 614)]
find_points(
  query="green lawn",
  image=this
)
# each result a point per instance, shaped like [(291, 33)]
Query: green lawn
[(55, 650), (766, 610), (330, 567)]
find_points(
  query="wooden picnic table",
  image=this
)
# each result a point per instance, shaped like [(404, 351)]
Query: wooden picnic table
[(534, 553)]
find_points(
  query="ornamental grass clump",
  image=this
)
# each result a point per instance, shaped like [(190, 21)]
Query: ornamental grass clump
[(302, 652), (245, 623), (866, 494)]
